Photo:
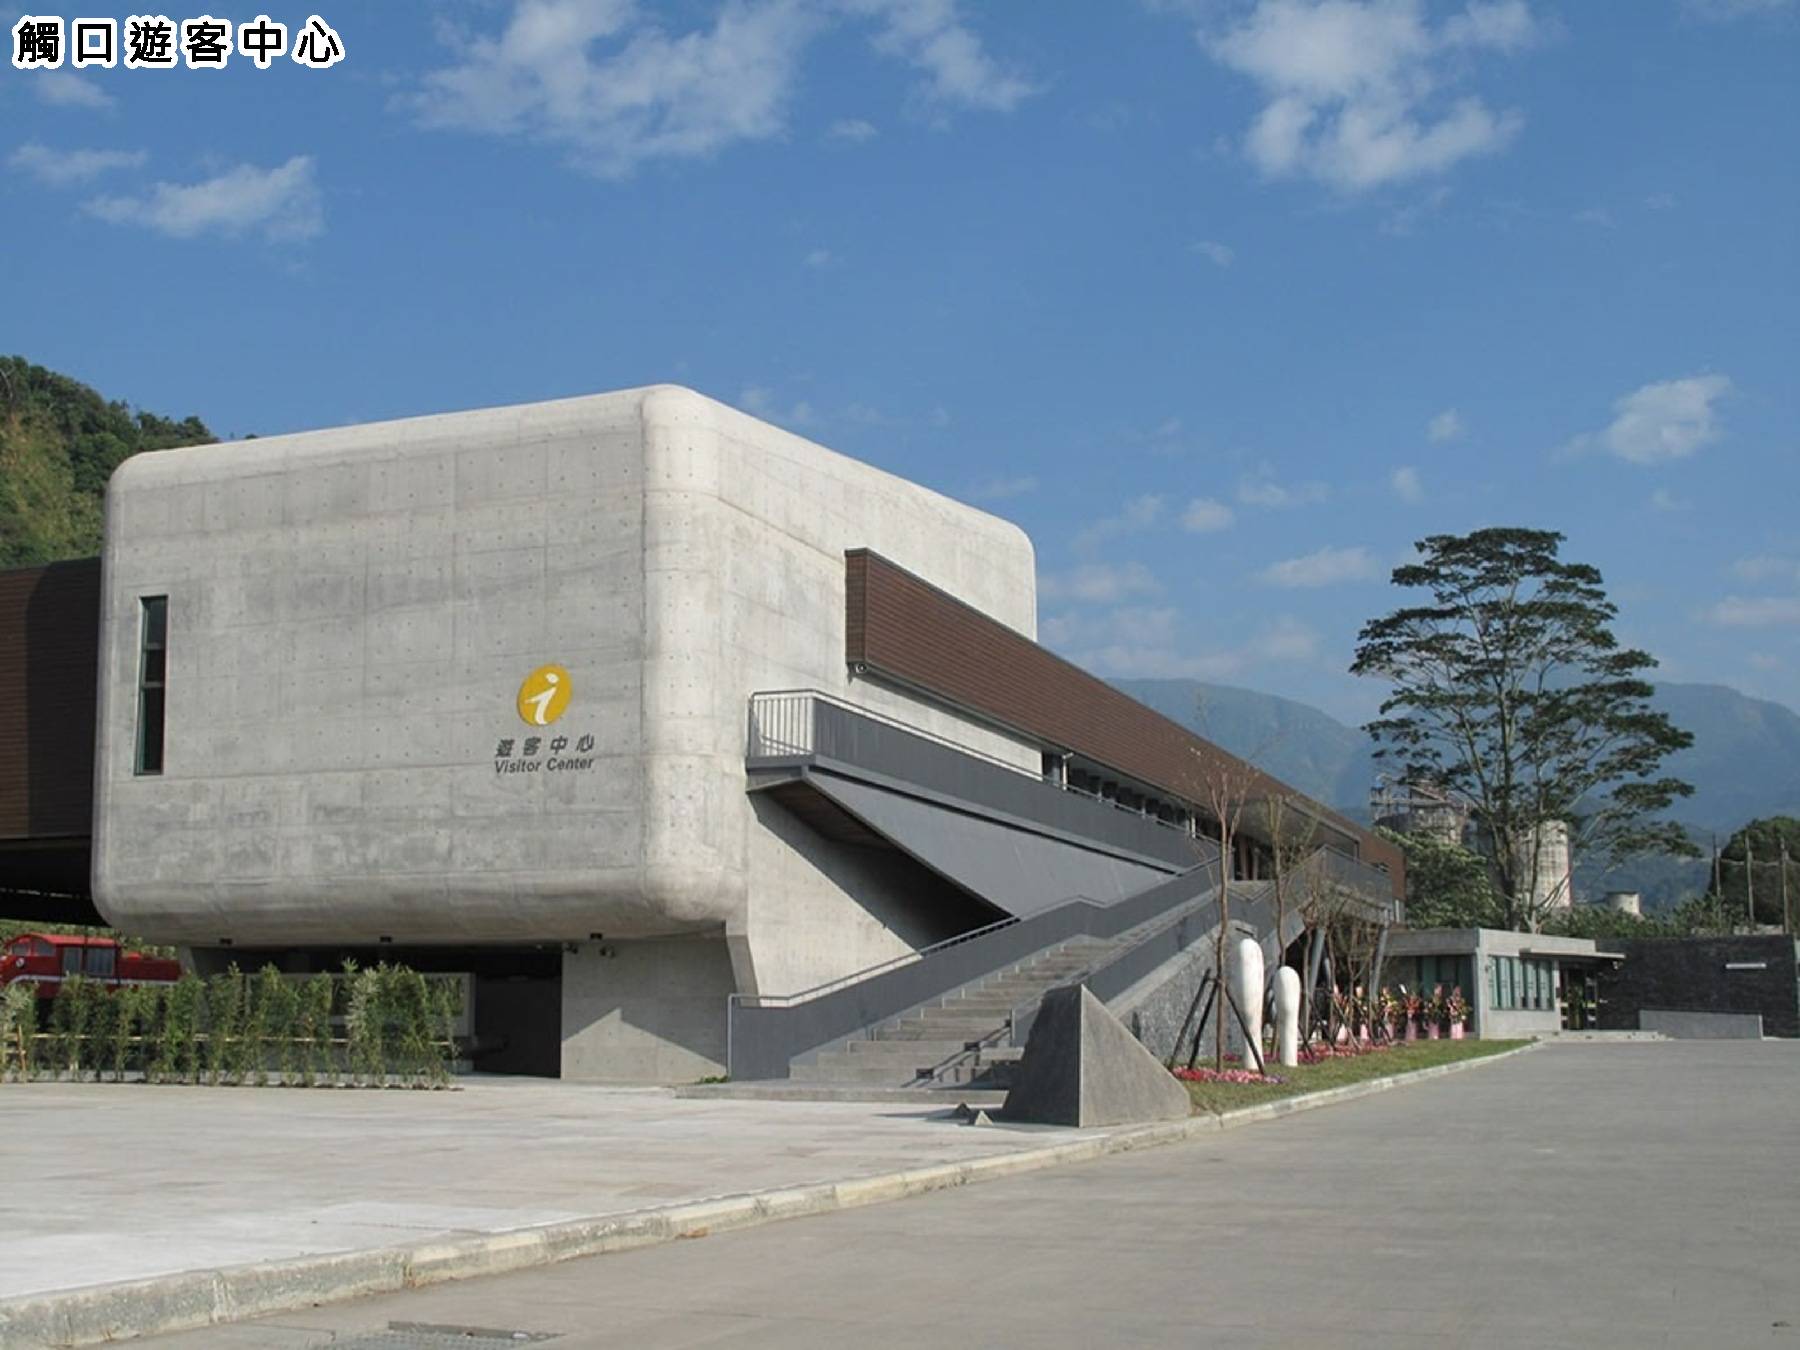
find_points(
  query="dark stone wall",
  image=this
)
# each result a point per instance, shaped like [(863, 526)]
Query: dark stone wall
[(1690, 974)]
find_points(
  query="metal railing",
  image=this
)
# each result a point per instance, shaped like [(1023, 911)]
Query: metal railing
[(763, 1037), (880, 968), (784, 724)]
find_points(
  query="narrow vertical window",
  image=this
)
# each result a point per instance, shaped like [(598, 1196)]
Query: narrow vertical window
[(153, 663)]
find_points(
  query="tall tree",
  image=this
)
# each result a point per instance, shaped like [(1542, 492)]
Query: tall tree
[(1508, 687), (1447, 885)]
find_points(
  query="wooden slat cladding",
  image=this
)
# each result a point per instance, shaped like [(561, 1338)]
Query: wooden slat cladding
[(49, 657), (900, 627)]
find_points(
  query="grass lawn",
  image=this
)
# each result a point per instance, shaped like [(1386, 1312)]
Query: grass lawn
[(1405, 1058)]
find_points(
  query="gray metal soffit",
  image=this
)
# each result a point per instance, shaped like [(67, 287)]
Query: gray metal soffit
[(1016, 870)]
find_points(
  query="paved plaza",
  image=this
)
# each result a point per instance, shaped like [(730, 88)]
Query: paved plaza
[(123, 1182), (1584, 1195)]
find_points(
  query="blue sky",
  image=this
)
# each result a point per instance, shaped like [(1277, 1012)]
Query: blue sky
[(1225, 302)]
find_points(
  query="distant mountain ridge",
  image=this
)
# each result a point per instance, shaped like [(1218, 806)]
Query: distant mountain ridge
[(1744, 763)]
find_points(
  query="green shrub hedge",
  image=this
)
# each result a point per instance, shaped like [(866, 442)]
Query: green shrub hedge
[(397, 1030)]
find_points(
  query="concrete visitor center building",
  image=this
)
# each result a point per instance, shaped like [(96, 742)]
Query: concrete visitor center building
[(635, 708)]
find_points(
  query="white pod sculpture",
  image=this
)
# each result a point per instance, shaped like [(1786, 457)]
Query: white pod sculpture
[(1247, 988), (1287, 1015)]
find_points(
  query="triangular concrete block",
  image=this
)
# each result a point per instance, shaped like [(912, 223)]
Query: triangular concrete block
[(1082, 1067)]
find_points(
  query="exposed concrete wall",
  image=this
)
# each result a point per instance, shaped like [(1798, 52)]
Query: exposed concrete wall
[(1701, 1026), (1157, 1007), (646, 1011), (351, 613), (1501, 1024), (820, 909)]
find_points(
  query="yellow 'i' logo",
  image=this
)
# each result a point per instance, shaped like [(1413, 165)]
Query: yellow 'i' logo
[(544, 696)]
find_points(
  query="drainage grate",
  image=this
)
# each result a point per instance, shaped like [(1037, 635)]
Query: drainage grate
[(420, 1336)]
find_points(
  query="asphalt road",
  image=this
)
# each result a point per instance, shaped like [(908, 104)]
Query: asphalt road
[(1643, 1195)]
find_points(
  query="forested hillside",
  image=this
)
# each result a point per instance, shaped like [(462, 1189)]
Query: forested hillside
[(59, 442)]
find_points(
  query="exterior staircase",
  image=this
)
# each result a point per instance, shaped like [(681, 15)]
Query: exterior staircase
[(965, 1039)]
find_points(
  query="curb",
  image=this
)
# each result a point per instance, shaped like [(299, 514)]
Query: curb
[(203, 1298)]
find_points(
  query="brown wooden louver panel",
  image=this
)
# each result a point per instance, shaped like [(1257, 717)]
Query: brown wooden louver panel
[(899, 627), (49, 658)]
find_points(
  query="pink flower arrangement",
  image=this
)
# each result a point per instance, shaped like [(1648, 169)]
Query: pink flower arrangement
[(1224, 1076), (1317, 1054)]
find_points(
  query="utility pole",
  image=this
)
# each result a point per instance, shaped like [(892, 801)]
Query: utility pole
[(1787, 921), (1749, 884), (1718, 882)]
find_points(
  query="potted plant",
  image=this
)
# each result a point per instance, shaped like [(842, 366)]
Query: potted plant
[(1393, 1013), (1434, 1011), (1458, 1009), (1415, 1011)]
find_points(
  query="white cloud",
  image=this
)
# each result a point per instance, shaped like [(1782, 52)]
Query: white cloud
[(1262, 489), (1664, 500), (1351, 86), (1596, 216), (66, 89), (600, 78), (281, 203), (1161, 642), (607, 81), (1768, 567), (1406, 485), (1661, 201), (1099, 583), (999, 489), (1219, 255), (59, 168), (1763, 611), (930, 36), (1446, 426), (1140, 513), (820, 258), (759, 401), (1661, 422), (1327, 567), (1203, 515)]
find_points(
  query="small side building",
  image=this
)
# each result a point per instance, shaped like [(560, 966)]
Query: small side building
[(1517, 984)]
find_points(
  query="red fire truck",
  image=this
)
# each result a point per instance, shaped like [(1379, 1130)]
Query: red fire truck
[(47, 959)]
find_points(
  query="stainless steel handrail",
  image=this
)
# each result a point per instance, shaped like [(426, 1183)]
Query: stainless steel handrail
[(857, 976), (786, 731)]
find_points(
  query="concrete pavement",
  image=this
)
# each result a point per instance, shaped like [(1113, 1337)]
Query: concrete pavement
[(1641, 1195), (107, 1183)]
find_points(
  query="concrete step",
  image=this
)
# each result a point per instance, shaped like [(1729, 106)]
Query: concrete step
[(787, 1090), (939, 1031), (942, 1049), (999, 1074), (1008, 989), (876, 1076)]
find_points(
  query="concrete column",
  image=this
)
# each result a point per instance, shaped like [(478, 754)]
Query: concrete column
[(649, 1010)]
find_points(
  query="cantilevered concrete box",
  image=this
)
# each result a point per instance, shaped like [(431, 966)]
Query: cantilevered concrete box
[(351, 616)]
